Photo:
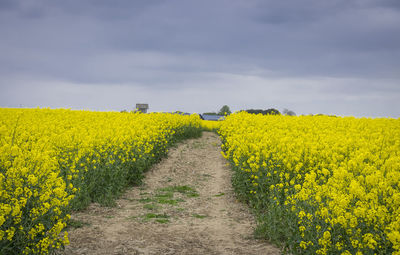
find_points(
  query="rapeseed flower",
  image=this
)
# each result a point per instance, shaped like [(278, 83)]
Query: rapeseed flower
[(336, 181)]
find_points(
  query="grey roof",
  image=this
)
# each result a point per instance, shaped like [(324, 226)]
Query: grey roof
[(144, 106), (212, 117)]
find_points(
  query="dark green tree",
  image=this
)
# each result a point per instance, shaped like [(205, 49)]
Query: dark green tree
[(271, 111), (224, 110), (254, 111)]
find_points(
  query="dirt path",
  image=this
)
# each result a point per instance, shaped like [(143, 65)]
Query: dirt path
[(187, 206)]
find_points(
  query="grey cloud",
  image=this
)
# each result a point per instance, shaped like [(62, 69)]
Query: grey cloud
[(318, 39), (6, 5), (99, 9), (160, 46)]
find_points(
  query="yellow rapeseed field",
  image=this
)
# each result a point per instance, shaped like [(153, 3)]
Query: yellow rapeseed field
[(52, 161), (321, 185), (211, 125)]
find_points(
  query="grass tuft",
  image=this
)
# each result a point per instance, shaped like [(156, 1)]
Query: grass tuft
[(199, 216)]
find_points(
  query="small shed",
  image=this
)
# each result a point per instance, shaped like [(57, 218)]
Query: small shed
[(142, 107), (212, 117)]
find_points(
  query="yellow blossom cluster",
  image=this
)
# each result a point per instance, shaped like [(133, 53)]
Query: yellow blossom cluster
[(210, 125), (325, 185), (51, 158)]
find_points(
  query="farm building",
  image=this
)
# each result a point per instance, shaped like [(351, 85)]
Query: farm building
[(142, 107), (212, 117)]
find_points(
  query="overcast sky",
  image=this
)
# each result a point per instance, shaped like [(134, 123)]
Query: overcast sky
[(310, 56)]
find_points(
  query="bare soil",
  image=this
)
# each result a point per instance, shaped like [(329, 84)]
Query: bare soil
[(186, 206)]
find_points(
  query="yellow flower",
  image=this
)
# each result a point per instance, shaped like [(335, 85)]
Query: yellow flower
[(44, 153), (333, 172)]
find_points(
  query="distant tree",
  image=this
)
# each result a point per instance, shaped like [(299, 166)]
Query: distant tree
[(224, 110), (254, 111), (210, 113), (288, 112), (124, 111), (270, 111)]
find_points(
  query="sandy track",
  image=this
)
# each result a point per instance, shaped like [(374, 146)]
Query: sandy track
[(157, 218)]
